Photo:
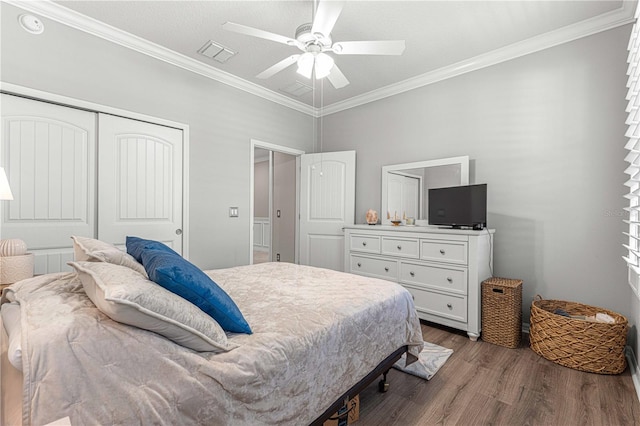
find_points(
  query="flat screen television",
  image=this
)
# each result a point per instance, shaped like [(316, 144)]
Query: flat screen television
[(459, 206)]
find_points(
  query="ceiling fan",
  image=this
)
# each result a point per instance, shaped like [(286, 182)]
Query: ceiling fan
[(314, 40)]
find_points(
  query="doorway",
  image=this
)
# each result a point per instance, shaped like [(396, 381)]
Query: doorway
[(274, 203)]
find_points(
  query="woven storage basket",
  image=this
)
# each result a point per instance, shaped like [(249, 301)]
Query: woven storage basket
[(502, 311), (594, 347)]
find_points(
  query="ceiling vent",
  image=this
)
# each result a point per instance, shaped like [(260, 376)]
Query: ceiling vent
[(215, 51), (297, 89)]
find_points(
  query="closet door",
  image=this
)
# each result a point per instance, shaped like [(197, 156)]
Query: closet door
[(140, 181), (49, 155)]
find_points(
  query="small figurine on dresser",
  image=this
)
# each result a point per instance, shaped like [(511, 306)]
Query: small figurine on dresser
[(372, 217), (15, 263)]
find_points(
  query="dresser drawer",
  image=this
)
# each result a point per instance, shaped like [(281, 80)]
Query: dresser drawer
[(386, 269), (365, 243), (439, 277), (449, 306), (405, 247), (444, 251)]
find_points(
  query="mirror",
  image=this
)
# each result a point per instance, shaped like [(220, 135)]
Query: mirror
[(405, 187)]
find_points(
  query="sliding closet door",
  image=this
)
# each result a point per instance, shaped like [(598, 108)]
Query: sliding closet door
[(140, 181), (49, 155)]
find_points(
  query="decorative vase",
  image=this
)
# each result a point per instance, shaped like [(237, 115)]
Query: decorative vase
[(12, 247), (372, 217)]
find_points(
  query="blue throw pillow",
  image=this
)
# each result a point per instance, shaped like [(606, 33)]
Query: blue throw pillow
[(136, 245), (186, 280)]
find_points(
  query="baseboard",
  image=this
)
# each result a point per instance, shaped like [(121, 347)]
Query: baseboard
[(633, 368)]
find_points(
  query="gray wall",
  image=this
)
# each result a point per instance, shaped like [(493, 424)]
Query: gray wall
[(222, 120), (546, 133), (284, 199), (261, 189)]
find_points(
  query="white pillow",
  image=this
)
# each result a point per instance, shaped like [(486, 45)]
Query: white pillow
[(127, 297), (11, 319), (92, 250)]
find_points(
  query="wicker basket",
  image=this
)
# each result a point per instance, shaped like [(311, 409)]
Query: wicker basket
[(594, 347), (502, 311)]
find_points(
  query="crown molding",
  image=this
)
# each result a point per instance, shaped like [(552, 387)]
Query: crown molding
[(46, 8), (615, 18), (81, 22)]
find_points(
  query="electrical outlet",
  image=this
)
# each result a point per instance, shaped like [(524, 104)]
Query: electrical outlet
[(277, 213), (233, 212), (278, 257)]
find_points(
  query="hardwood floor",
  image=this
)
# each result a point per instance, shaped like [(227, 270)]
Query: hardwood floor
[(484, 384)]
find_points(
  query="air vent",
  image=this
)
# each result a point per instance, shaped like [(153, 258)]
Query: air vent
[(297, 89), (215, 51)]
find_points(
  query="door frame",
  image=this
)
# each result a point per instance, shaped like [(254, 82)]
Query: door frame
[(39, 95), (255, 143)]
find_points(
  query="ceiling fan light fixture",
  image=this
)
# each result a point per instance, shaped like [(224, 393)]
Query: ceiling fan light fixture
[(323, 65), (305, 64)]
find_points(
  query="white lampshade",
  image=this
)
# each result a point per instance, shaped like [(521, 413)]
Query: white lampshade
[(324, 63), (5, 190), (305, 64)]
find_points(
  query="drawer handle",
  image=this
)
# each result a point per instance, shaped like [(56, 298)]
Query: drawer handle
[(386, 269), (359, 264), (449, 305), (413, 274), (450, 279), (442, 251), (364, 243), (399, 247)]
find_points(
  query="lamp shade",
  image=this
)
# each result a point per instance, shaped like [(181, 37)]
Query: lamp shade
[(324, 63), (5, 191), (305, 64)]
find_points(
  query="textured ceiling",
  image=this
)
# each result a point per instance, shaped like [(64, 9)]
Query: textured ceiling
[(437, 33)]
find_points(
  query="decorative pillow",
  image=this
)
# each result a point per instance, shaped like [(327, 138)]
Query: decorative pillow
[(11, 320), (92, 250), (136, 245), (185, 279), (127, 297)]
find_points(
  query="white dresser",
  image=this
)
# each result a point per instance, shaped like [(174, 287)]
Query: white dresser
[(442, 268)]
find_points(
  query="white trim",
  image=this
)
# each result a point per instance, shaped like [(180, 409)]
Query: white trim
[(606, 21), (59, 13), (633, 368), (271, 147), (40, 95), (71, 18)]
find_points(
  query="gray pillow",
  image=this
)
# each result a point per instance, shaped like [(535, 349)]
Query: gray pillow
[(127, 297), (90, 249)]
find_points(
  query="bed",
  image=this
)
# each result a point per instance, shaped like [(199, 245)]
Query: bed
[(317, 336)]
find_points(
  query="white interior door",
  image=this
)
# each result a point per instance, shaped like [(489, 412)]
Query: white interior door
[(327, 194), (140, 181), (49, 155)]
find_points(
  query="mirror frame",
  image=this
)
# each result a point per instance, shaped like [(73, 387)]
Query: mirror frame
[(462, 161)]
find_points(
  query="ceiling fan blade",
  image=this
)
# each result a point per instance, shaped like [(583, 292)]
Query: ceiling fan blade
[(326, 16), (382, 47), (337, 79), (243, 29), (286, 62)]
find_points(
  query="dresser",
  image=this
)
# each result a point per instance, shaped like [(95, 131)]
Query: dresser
[(442, 268)]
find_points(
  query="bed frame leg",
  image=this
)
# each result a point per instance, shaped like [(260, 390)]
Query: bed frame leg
[(383, 385)]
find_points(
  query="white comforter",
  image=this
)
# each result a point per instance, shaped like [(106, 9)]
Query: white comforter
[(316, 333)]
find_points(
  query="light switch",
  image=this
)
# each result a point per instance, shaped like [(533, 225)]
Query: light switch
[(233, 212)]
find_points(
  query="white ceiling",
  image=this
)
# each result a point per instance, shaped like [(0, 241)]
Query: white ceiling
[(440, 35)]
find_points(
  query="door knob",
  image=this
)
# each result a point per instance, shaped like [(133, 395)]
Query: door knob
[(178, 231)]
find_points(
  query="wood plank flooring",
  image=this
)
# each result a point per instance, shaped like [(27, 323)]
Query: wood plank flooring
[(486, 384)]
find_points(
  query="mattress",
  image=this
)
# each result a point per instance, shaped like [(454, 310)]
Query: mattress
[(316, 333)]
